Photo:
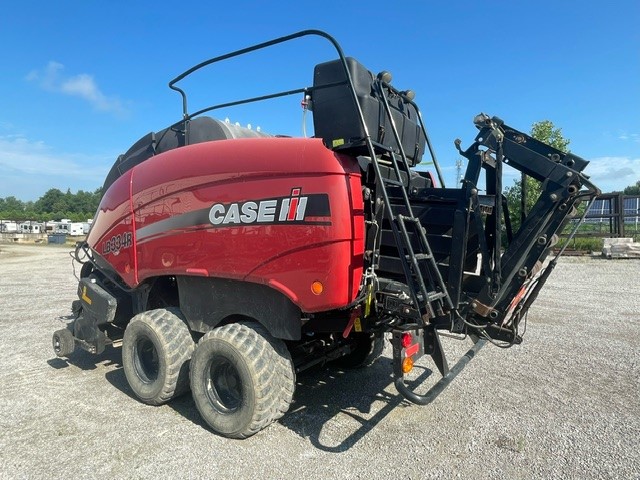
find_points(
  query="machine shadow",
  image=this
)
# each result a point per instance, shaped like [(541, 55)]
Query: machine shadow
[(112, 357), (324, 394), (88, 361)]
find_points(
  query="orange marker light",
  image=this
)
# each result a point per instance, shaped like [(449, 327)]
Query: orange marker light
[(317, 288), (407, 365)]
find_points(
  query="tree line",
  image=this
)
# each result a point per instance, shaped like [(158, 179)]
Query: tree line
[(53, 205), (632, 189)]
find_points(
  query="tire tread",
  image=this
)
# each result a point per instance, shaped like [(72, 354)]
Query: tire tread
[(173, 333), (264, 357)]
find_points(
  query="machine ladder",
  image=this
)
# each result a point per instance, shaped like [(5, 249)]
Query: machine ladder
[(428, 290)]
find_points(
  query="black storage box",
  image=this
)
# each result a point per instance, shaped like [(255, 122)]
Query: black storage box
[(336, 120)]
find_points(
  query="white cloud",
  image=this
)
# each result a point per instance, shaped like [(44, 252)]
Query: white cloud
[(29, 168), (631, 137), (613, 173), (83, 85), (610, 174)]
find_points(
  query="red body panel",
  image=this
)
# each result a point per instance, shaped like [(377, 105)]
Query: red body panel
[(287, 212), (114, 222)]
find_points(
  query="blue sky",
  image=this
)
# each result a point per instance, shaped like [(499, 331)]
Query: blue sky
[(83, 80)]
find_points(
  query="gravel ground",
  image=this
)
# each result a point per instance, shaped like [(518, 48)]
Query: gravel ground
[(564, 404)]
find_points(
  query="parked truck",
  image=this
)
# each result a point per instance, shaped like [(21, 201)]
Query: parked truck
[(228, 260)]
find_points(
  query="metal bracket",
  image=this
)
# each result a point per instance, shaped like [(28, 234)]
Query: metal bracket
[(434, 391)]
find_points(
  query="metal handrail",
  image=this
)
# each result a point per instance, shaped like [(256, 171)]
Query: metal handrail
[(349, 82)]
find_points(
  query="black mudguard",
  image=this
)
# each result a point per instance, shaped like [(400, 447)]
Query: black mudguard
[(206, 302)]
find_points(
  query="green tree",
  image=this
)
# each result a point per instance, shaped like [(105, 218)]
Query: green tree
[(632, 189), (544, 131), (12, 204), (46, 203), (53, 205)]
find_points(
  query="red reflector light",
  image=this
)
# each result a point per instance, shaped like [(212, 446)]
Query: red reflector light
[(412, 350), (406, 340)]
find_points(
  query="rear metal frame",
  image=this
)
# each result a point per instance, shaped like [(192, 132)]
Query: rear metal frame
[(438, 297)]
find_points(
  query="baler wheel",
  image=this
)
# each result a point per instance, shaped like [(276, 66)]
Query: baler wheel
[(239, 380), (156, 350), (284, 363), (63, 342)]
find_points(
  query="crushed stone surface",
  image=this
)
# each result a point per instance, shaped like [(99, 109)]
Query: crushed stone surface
[(565, 404)]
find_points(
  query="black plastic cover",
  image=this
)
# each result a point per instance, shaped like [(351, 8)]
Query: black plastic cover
[(336, 120), (201, 129), (97, 303)]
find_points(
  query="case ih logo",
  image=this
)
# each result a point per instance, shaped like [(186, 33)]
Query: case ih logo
[(294, 209)]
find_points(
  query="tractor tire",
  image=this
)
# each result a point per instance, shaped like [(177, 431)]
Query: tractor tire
[(284, 363), (156, 349), (238, 379), (366, 350), (63, 342)]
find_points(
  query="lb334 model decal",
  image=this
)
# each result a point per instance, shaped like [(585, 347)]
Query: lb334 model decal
[(116, 243)]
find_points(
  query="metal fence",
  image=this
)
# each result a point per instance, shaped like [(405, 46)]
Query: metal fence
[(612, 215)]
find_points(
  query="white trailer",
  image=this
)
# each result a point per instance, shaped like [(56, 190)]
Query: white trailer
[(8, 226), (29, 227), (73, 229)]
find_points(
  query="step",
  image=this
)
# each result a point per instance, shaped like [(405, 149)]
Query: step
[(406, 218), (395, 183), (420, 256), (436, 296)]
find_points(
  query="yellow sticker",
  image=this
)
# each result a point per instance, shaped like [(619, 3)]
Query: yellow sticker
[(337, 142), (85, 297), (357, 325), (367, 305)]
